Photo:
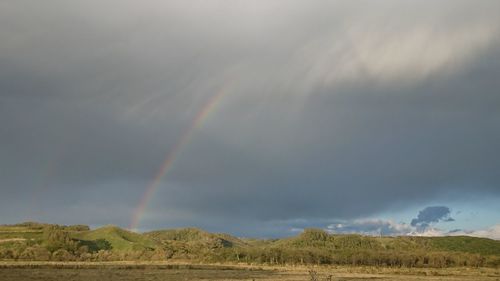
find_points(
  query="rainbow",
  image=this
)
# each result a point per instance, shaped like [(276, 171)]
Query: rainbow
[(172, 155)]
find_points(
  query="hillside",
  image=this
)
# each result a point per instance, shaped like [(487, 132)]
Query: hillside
[(195, 235), (19, 232), (118, 238), (466, 244), (193, 243), (313, 238), (33, 241)]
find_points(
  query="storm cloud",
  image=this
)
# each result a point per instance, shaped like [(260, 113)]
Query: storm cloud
[(430, 215), (334, 110)]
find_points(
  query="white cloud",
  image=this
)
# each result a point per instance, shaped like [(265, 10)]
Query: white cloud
[(373, 227), (428, 232), (404, 55), (492, 232), (376, 227)]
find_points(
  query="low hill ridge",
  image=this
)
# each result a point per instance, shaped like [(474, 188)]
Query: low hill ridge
[(192, 234), (34, 241), (119, 238)]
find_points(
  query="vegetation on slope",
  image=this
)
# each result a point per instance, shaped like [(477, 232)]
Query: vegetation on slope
[(119, 239), (193, 243), (466, 244), (34, 241), (194, 235)]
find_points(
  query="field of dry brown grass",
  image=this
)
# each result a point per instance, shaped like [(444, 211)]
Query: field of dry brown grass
[(149, 271)]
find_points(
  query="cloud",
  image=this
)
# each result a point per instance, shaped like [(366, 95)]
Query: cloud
[(336, 110), (491, 233), (423, 225), (431, 215), (373, 227), (428, 232), (404, 55), (380, 227)]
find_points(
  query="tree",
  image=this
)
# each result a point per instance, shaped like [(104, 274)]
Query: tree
[(56, 238)]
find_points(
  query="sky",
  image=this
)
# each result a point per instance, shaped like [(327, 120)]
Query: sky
[(256, 118)]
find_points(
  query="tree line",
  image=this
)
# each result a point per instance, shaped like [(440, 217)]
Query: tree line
[(311, 247)]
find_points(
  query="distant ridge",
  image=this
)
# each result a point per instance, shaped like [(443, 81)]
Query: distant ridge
[(38, 241)]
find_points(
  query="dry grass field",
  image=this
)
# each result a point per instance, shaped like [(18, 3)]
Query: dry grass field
[(18, 271)]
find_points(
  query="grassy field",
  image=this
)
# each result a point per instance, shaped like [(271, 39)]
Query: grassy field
[(19, 271)]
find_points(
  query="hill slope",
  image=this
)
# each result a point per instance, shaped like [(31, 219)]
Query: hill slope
[(194, 235), (316, 238), (34, 241), (119, 239)]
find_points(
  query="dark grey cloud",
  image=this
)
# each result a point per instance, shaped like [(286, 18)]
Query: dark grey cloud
[(334, 110), (431, 215)]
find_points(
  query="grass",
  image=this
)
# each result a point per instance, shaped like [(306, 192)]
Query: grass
[(466, 244), (21, 232), (150, 271), (120, 239)]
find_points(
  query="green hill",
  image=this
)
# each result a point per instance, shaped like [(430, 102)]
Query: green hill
[(194, 235), (465, 244), (35, 241), (119, 239), (194, 243), (317, 238)]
